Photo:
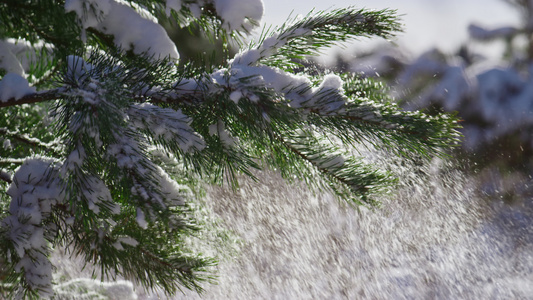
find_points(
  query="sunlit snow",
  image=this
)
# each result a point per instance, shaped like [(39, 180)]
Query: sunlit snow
[(14, 86), (434, 238)]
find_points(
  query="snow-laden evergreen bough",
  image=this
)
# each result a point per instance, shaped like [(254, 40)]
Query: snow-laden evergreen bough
[(106, 134)]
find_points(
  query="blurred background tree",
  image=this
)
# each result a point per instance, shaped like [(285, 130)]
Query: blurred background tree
[(492, 98)]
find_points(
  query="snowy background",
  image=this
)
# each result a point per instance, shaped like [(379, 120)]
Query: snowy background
[(439, 237)]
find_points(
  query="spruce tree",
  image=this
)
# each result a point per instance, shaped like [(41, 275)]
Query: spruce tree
[(106, 133)]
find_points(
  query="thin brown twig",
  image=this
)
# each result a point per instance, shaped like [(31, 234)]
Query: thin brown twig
[(49, 147)]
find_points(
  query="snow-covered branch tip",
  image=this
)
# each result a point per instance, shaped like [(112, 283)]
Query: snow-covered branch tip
[(36, 188), (307, 36)]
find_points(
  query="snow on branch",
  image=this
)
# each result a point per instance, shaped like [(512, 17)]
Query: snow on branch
[(348, 177), (142, 174), (308, 35), (132, 27), (269, 62), (234, 15), (5, 176), (166, 124), (14, 87), (29, 95), (9, 61), (300, 92), (35, 189), (239, 14), (19, 56), (24, 138)]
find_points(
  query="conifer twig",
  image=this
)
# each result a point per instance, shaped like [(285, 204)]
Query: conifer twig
[(34, 98)]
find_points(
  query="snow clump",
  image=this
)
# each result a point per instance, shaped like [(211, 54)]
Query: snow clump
[(14, 86), (35, 189), (133, 28), (167, 124), (239, 14)]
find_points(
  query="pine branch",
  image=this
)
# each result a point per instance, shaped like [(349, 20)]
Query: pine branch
[(400, 132), (147, 258), (344, 175), (293, 41), (371, 111), (50, 148), (38, 97)]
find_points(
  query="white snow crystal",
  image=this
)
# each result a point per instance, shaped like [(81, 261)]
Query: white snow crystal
[(328, 97), (334, 162), (117, 245), (126, 153), (31, 173), (332, 81), (143, 12), (273, 78), (172, 5), (269, 47), (95, 192), (219, 129), (172, 190), (4, 175), (75, 159), (133, 28), (89, 12), (77, 66), (37, 272), (248, 57), (14, 86), (18, 55), (128, 240), (84, 288), (140, 219), (168, 124), (6, 144), (8, 60), (235, 96), (236, 14), (272, 42), (34, 189), (213, 129), (130, 30)]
